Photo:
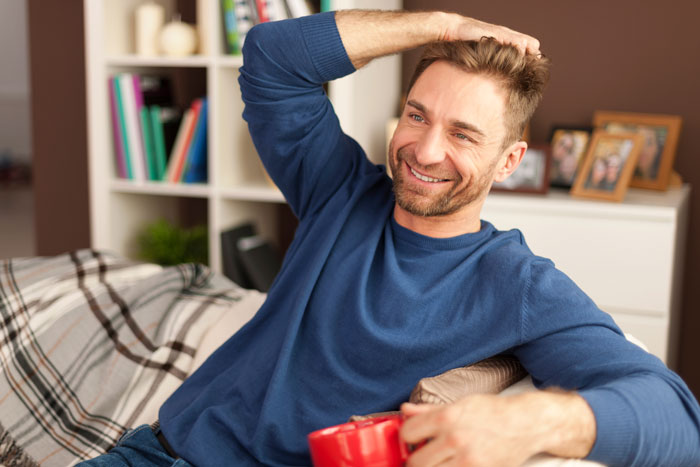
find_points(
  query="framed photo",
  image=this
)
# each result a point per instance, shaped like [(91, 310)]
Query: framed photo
[(658, 152), (531, 176), (608, 165), (568, 145)]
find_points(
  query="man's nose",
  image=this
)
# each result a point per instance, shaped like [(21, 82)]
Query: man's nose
[(430, 148)]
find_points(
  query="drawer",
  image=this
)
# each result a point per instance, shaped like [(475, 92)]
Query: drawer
[(652, 331)]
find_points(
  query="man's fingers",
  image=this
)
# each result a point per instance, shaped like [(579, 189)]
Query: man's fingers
[(433, 453), (424, 421), (409, 409)]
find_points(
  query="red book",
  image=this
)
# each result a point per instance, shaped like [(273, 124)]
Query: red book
[(262, 11), (196, 108)]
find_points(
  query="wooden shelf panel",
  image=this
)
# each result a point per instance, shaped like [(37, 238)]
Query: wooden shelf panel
[(189, 190), (263, 193)]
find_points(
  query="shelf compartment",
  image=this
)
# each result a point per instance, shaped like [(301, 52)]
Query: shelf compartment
[(130, 213)]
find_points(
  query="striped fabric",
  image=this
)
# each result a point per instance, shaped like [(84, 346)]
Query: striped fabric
[(91, 344), (489, 376)]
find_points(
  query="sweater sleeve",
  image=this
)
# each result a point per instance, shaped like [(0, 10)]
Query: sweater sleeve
[(645, 414), (292, 123)]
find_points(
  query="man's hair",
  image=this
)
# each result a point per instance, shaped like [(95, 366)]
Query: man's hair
[(522, 76)]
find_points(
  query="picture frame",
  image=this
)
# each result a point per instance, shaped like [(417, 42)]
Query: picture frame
[(568, 145), (531, 176), (608, 166), (661, 133)]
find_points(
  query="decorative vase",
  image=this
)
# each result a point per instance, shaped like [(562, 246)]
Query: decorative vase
[(178, 39)]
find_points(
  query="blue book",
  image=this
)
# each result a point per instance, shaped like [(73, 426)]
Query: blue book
[(196, 169)]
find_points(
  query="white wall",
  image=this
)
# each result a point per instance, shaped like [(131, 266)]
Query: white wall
[(15, 116)]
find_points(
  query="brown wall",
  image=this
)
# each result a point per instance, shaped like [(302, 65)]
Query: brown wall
[(60, 171), (636, 56)]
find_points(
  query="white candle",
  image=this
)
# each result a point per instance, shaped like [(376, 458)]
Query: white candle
[(150, 17)]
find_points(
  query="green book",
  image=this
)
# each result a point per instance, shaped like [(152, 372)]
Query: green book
[(122, 125), (230, 27), (148, 143), (158, 142), (326, 5)]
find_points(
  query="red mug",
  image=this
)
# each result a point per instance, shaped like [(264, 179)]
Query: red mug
[(373, 442)]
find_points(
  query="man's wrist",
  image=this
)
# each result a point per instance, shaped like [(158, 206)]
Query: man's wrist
[(565, 424)]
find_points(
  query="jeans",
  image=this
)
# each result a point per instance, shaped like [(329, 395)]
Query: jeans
[(138, 447)]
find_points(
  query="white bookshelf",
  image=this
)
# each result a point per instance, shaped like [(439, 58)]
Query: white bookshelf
[(237, 190)]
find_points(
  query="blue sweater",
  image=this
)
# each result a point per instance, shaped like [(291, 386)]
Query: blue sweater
[(363, 308)]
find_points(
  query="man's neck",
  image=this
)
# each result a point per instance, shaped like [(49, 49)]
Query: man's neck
[(467, 220)]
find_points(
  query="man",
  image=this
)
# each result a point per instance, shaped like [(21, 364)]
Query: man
[(380, 289)]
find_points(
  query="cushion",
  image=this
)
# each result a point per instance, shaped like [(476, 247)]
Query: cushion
[(489, 376)]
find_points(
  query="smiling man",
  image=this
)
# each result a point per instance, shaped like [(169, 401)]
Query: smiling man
[(389, 282)]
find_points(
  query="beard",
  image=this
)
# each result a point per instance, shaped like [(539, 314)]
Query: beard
[(424, 202)]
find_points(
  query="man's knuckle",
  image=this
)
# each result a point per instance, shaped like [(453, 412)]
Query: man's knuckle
[(454, 440)]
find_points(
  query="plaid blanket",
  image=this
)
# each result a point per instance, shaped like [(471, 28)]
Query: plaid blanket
[(92, 344)]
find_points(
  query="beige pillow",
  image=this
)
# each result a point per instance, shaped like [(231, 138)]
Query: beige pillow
[(489, 376)]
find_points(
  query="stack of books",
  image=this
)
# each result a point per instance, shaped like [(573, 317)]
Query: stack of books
[(241, 15), (151, 140)]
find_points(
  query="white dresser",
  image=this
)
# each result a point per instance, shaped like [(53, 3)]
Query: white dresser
[(628, 257)]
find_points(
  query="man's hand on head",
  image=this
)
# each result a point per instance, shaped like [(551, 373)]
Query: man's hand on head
[(369, 34), (464, 28), (488, 430)]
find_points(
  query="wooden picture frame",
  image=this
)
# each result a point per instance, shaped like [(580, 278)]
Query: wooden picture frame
[(608, 166), (568, 146), (661, 133), (531, 176)]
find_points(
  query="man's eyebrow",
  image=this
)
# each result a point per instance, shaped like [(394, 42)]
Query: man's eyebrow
[(467, 127), (417, 105), (455, 123)]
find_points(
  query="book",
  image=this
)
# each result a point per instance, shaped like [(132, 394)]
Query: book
[(133, 127), (148, 143), (189, 134), (326, 5), (230, 259), (154, 114), (245, 19), (277, 10), (253, 11), (177, 151), (119, 155), (143, 126), (230, 27), (196, 164), (122, 126), (299, 8), (261, 7)]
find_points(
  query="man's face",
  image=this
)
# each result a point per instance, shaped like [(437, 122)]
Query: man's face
[(447, 146)]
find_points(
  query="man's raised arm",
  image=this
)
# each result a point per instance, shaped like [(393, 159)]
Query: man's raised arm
[(370, 34)]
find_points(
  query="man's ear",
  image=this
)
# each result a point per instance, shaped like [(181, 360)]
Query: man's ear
[(511, 160)]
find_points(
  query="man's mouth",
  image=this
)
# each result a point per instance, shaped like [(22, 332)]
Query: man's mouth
[(425, 178)]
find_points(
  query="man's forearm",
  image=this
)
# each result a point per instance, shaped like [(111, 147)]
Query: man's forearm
[(500, 430), (368, 34)]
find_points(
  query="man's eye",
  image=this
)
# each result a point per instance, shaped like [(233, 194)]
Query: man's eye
[(462, 136), (416, 117)]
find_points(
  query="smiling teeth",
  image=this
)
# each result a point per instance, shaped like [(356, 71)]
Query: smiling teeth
[(424, 178)]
